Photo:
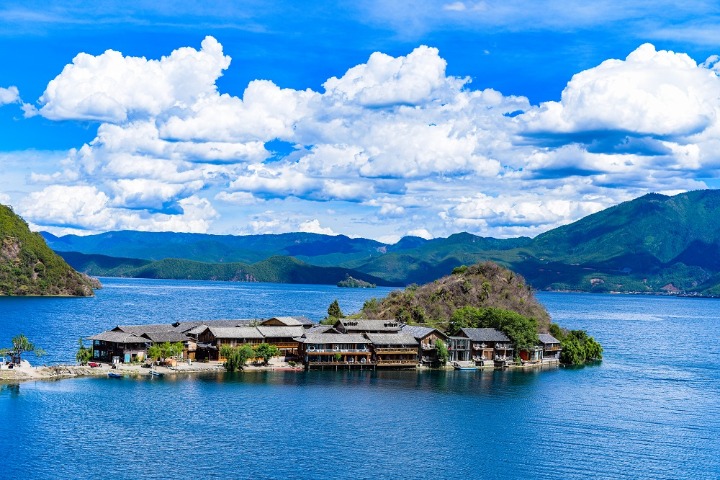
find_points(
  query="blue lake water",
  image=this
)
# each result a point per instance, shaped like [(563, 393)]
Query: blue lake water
[(651, 409)]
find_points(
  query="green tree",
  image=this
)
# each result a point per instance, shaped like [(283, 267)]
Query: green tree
[(236, 357), (266, 352), (155, 352), (20, 345), (83, 355), (579, 348), (334, 310), (521, 330), (443, 354)]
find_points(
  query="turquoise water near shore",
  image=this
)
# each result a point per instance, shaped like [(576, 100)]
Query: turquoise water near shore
[(651, 409)]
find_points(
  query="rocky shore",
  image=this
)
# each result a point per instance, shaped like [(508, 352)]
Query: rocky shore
[(26, 372)]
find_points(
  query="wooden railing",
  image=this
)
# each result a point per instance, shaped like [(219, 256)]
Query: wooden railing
[(396, 350), (397, 362)]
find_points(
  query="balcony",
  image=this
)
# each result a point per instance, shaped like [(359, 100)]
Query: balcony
[(334, 350), (393, 362), (396, 350)]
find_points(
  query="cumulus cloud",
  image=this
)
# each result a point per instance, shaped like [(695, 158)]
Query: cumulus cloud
[(114, 88), (9, 95), (658, 93), (394, 146)]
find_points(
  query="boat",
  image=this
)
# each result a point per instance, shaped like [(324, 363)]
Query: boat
[(155, 373), (114, 375), (457, 366)]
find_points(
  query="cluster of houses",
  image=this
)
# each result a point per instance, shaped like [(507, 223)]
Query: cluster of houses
[(349, 343)]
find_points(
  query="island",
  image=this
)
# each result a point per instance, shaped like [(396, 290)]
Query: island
[(351, 282)]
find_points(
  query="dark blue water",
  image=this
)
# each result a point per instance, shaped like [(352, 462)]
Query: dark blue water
[(650, 410)]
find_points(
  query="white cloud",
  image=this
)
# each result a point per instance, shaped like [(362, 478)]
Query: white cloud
[(4, 199), (650, 92), (393, 146), (420, 232), (313, 226), (114, 88), (9, 95)]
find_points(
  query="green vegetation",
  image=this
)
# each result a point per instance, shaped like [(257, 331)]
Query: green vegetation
[(83, 355), (443, 354), (29, 267), (521, 330), (334, 310), (266, 352), (481, 286), (351, 282), (236, 357), (626, 248), (579, 348), (162, 351), (21, 345)]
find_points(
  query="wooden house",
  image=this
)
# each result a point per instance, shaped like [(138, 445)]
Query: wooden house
[(211, 339), (285, 338), (459, 349), (488, 345), (118, 346), (334, 349), (551, 347), (189, 344), (427, 339), (398, 350)]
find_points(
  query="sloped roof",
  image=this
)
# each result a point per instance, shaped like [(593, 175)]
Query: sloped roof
[(140, 329), (335, 338), (235, 332), (118, 337), (287, 321), (485, 335), (187, 326), (420, 332), (392, 339), (281, 332), (547, 338), (365, 325), (161, 337)]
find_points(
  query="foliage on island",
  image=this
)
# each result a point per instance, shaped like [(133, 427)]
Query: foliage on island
[(481, 286), (485, 295), (626, 248), (236, 357), (162, 351), (351, 282), (29, 267)]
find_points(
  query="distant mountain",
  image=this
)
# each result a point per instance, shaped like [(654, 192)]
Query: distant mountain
[(654, 243), (274, 269), (29, 267)]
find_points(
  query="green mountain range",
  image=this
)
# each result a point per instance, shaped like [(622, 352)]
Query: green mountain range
[(653, 244), (29, 267)]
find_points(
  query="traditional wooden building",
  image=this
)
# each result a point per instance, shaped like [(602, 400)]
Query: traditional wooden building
[(286, 339), (459, 349), (211, 339), (488, 345), (551, 347), (288, 322), (427, 338), (334, 349), (189, 344), (397, 350), (117, 346)]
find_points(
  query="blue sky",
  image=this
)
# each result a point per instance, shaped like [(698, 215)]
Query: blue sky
[(375, 119)]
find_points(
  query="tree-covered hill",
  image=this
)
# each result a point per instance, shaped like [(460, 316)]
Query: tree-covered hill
[(653, 244), (482, 286), (29, 267)]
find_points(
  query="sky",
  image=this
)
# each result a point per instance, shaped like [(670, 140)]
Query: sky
[(372, 119)]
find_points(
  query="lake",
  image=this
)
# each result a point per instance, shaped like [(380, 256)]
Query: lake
[(651, 409)]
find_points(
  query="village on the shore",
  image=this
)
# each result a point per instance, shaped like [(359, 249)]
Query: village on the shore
[(348, 344)]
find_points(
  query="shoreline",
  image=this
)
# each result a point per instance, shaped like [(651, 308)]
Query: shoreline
[(26, 372)]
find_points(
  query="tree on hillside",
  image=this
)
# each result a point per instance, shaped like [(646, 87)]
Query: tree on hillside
[(334, 310), (579, 348)]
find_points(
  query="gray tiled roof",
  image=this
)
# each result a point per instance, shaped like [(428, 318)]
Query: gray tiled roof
[(161, 337), (118, 337), (187, 326), (235, 332), (270, 331), (367, 325), (335, 338), (485, 335), (547, 338), (140, 329), (392, 339), (420, 332)]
